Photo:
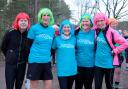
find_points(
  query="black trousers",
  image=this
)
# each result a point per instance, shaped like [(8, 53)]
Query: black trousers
[(14, 75), (100, 73), (126, 55), (84, 78), (66, 82)]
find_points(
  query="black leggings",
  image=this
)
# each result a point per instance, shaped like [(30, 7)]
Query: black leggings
[(99, 74), (126, 55), (84, 78), (14, 75), (66, 82)]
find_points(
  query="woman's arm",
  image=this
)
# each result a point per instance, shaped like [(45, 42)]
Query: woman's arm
[(120, 40), (4, 43)]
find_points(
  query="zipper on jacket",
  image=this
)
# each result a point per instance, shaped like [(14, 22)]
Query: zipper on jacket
[(19, 54)]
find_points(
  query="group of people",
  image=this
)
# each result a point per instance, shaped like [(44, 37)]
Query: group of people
[(82, 54)]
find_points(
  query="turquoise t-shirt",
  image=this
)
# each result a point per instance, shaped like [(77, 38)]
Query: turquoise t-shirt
[(65, 56), (103, 57), (40, 51), (85, 48)]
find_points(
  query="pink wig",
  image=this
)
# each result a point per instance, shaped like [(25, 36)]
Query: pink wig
[(100, 16), (19, 16)]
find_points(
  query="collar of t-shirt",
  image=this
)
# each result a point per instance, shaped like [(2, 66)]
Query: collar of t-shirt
[(43, 25), (65, 37)]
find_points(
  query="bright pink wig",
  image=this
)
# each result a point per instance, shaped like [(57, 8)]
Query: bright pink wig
[(19, 16), (100, 16)]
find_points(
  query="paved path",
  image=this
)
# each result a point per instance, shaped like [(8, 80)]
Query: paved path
[(124, 79)]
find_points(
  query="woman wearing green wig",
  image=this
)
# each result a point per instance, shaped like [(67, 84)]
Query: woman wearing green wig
[(85, 53), (40, 38)]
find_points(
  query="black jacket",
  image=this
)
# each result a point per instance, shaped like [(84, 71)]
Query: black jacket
[(14, 47)]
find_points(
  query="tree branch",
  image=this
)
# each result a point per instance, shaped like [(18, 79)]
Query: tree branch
[(120, 8), (119, 17), (124, 12)]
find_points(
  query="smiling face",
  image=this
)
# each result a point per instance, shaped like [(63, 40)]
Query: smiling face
[(101, 24), (113, 25), (23, 24), (66, 30), (46, 19), (86, 24)]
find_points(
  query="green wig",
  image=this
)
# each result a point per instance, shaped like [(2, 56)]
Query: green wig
[(44, 11), (87, 17)]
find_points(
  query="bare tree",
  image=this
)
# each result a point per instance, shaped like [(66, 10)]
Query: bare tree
[(122, 11), (112, 8), (88, 6), (115, 8)]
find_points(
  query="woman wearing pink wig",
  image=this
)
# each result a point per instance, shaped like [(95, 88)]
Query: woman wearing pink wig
[(14, 48), (106, 53)]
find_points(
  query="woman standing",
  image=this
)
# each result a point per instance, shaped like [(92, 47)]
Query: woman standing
[(40, 38), (113, 23), (106, 53), (14, 48), (66, 65), (85, 53)]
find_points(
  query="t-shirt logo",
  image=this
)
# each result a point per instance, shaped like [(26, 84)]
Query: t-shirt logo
[(66, 46), (101, 40), (83, 41), (44, 36)]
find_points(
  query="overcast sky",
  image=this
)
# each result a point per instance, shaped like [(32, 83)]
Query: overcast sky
[(75, 8)]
